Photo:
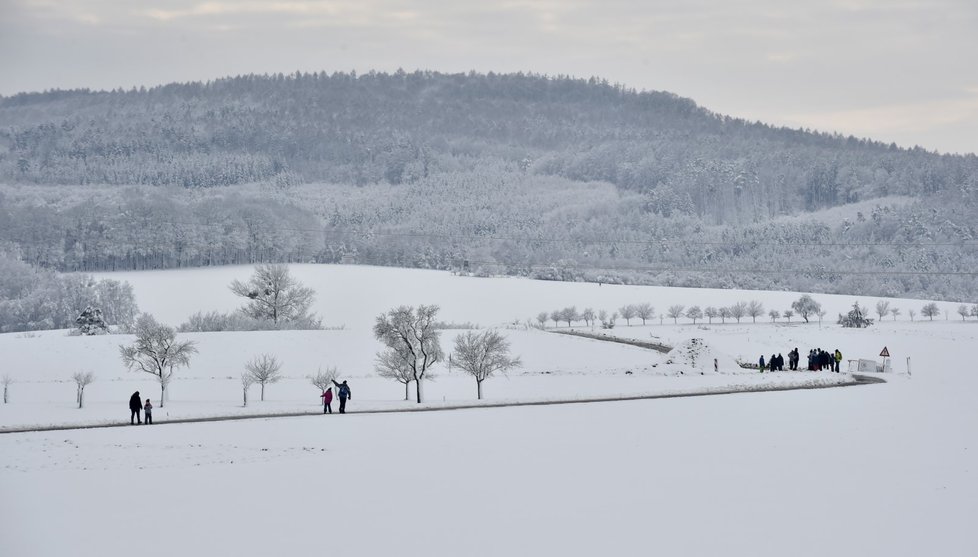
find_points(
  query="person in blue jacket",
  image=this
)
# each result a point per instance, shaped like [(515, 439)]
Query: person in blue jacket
[(343, 391)]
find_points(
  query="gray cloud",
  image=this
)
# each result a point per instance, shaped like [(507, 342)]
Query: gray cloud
[(889, 69)]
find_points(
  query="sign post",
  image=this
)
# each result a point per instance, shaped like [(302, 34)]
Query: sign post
[(885, 353)]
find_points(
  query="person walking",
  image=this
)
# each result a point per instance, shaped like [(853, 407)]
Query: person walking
[(135, 405), (760, 363), (343, 391), (327, 400), (148, 412), (838, 359)]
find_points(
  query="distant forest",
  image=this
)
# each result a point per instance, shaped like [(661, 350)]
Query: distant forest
[(555, 178)]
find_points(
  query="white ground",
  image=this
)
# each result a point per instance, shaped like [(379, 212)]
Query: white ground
[(870, 470)]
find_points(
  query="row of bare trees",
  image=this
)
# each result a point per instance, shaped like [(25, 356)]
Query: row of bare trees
[(412, 347)]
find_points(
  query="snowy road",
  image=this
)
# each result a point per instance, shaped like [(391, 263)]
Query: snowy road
[(856, 381)]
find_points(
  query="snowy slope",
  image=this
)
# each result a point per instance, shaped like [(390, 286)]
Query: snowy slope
[(871, 470)]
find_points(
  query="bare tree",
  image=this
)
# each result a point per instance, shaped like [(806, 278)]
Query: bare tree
[(895, 312), (806, 306), (724, 313), (411, 333), (882, 308), (694, 313), (264, 369), (246, 382), (774, 314), (964, 311), (82, 380), (788, 314), (645, 311), (274, 295), (675, 312), (555, 317), (390, 364), (912, 314), (7, 380), (711, 312), (755, 309), (542, 319), (628, 312), (930, 310), (570, 315), (156, 351), (324, 379), (974, 310), (588, 316), (738, 311), (483, 354)]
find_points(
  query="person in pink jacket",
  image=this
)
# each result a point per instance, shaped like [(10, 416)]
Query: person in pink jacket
[(327, 397)]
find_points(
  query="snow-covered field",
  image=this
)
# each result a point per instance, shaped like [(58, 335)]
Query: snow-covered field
[(884, 469)]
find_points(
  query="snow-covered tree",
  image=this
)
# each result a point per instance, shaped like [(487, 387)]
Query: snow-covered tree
[(644, 311), (895, 312), (974, 310), (724, 313), (806, 306), (156, 351), (675, 312), (588, 316), (555, 316), (755, 309), (964, 311), (738, 311), (774, 315), (930, 310), (542, 319), (483, 354), (856, 318), (246, 382), (711, 312), (265, 369), (7, 380), (628, 312), (882, 309), (788, 314), (694, 313), (912, 314), (82, 380), (569, 314), (412, 334), (275, 295), (91, 322), (391, 364)]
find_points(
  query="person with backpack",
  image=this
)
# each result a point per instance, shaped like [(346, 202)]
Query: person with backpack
[(327, 397), (135, 405), (148, 412), (838, 359), (343, 391)]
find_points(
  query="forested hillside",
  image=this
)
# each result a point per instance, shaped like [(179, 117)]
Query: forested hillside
[(522, 174)]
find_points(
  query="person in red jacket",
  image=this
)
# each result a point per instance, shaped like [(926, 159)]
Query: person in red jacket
[(327, 397)]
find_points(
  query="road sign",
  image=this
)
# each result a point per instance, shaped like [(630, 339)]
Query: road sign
[(885, 353)]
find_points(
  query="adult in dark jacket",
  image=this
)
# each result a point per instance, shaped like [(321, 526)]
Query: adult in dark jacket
[(344, 392), (135, 405)]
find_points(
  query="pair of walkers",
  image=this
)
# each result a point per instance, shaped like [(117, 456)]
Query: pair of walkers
[(342, 391), (135, 406)]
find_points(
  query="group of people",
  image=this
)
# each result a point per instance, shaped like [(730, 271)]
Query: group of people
[(135, 405), (342, 391), (818, 360)]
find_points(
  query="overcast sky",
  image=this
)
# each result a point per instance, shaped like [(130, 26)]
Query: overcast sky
[(894, 70)]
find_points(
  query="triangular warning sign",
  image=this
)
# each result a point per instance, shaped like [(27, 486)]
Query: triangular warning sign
[(885, 353)]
